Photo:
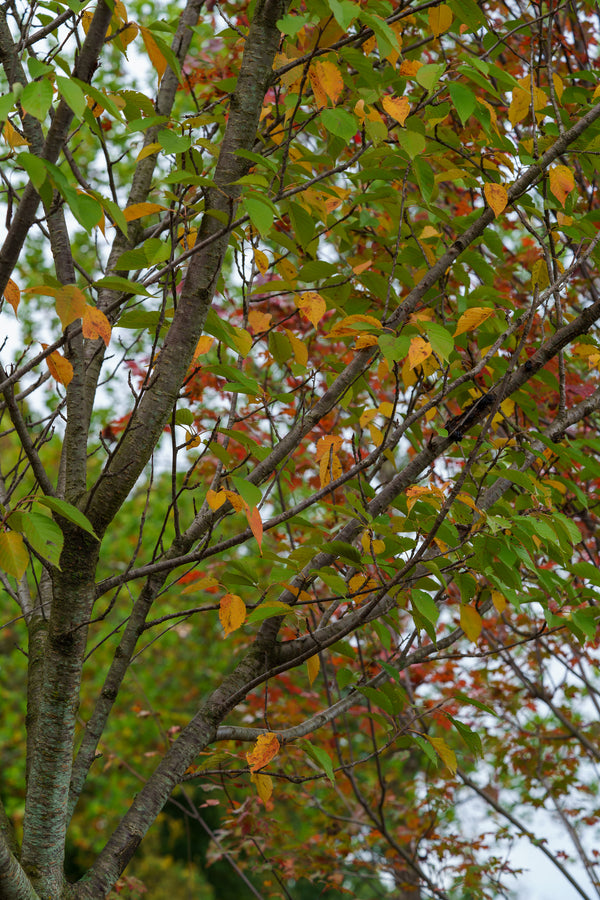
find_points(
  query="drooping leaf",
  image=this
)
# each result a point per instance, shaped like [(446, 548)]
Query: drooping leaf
[(265, 749)]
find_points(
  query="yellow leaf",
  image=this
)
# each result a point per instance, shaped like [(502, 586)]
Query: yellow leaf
[(418, 351), (137, 210), (12, 294), (14, 557), (60, 368), (561, 182), (347, 326), (440, 19), (266, 748), (242, 340), (376, 434), (326, 82), (558, 86), (326, 443), (287, 270), (70, 304), (12, 136), (312, 306), (496, 196), (95, 324), (215, 499), (154, 52), (148, 150), (499, 601), (330, 468), (313, 665), (261, 260), (365, 340), (519, 105), (86, 19), (129, 34), (299, 348), (445, 753), (264, 785), (396, 107), (472, 318), (470, 622), (203, 346), (232, 613)]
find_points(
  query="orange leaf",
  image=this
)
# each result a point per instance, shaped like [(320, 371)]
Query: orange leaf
[(256, 526), (326, 81), (347, 325), (409, 67), (95, 324), (215, 500), (330, 468), (418, 352), (472, 318), (440, 19), (470, 622), (60, 368), (232, 613), (235, 500), (313, 664), (137, 210), (397, 107), (496, 196), (561, 182), (259, 321), (154, 52), (312, 306), (12, 294), (265, 749), (327, 443)]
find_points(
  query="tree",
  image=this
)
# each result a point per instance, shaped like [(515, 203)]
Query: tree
[(315, 412)]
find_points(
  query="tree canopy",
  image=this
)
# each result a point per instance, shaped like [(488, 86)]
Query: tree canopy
[(300, 460)]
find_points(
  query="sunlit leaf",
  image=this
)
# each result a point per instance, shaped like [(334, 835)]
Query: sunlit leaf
[(266, 748), (232, 613)]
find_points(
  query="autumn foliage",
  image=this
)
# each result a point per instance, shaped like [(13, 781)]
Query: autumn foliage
[(299, 460)]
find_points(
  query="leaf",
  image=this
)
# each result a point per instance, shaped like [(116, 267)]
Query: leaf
[(59, 367), (472, 319), (562, 182), (36, 98), (72, 94), (496, 196), (470, 622), (266, 748), (70, 304), (95, 324), (445, 753), (264, 786), (215, 499), (261, 262), (464, 100), (268, 610), (12, 294), (14, 557), (397, 108), (418, 351), (232, 613), (12, 136), (321, 757), (326, 81), (203, 346), (440, 19), (154, 52), (256, 525), (68, 512), (340, 123), (313, 665), (137, 210), (261, 213), (312, 306), (41, 531)]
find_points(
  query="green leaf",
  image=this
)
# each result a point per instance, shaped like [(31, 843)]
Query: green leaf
[(7, 101), (340, 123), (36, 98), (429, 75), (426, 605), (124, 285), (269, 610), (344, 12), (41, 531), (463, 99), (440, 339), (343, 550), (72, 95), (171, 142), (321, 757), (260, 211), (68, 512), (247, 491), (35, 168), (426, 747)]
